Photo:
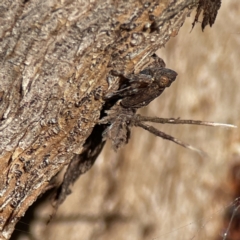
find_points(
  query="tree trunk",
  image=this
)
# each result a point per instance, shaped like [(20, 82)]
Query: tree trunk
[(55, 62)]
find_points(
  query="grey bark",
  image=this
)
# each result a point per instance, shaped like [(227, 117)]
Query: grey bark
[(54, 56)]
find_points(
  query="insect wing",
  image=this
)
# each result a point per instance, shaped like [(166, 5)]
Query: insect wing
[(143, 98)]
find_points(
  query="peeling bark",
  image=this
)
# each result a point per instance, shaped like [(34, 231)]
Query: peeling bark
[(55, 59)]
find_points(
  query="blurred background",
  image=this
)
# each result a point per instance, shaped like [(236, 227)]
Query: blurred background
[(153, 188)]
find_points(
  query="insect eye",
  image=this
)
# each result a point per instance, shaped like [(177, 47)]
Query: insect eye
[(164, 82)]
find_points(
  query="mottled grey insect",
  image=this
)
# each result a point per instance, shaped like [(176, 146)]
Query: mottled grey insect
[(136, 91)]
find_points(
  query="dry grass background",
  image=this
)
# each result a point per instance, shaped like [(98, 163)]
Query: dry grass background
[(155, 189)]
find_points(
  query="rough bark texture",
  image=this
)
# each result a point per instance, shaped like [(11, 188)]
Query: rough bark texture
[(54, 57)]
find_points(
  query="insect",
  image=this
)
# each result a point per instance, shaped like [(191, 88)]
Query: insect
[(136, 91)]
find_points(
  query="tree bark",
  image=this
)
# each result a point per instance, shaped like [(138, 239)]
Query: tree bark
[(55, 61)]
